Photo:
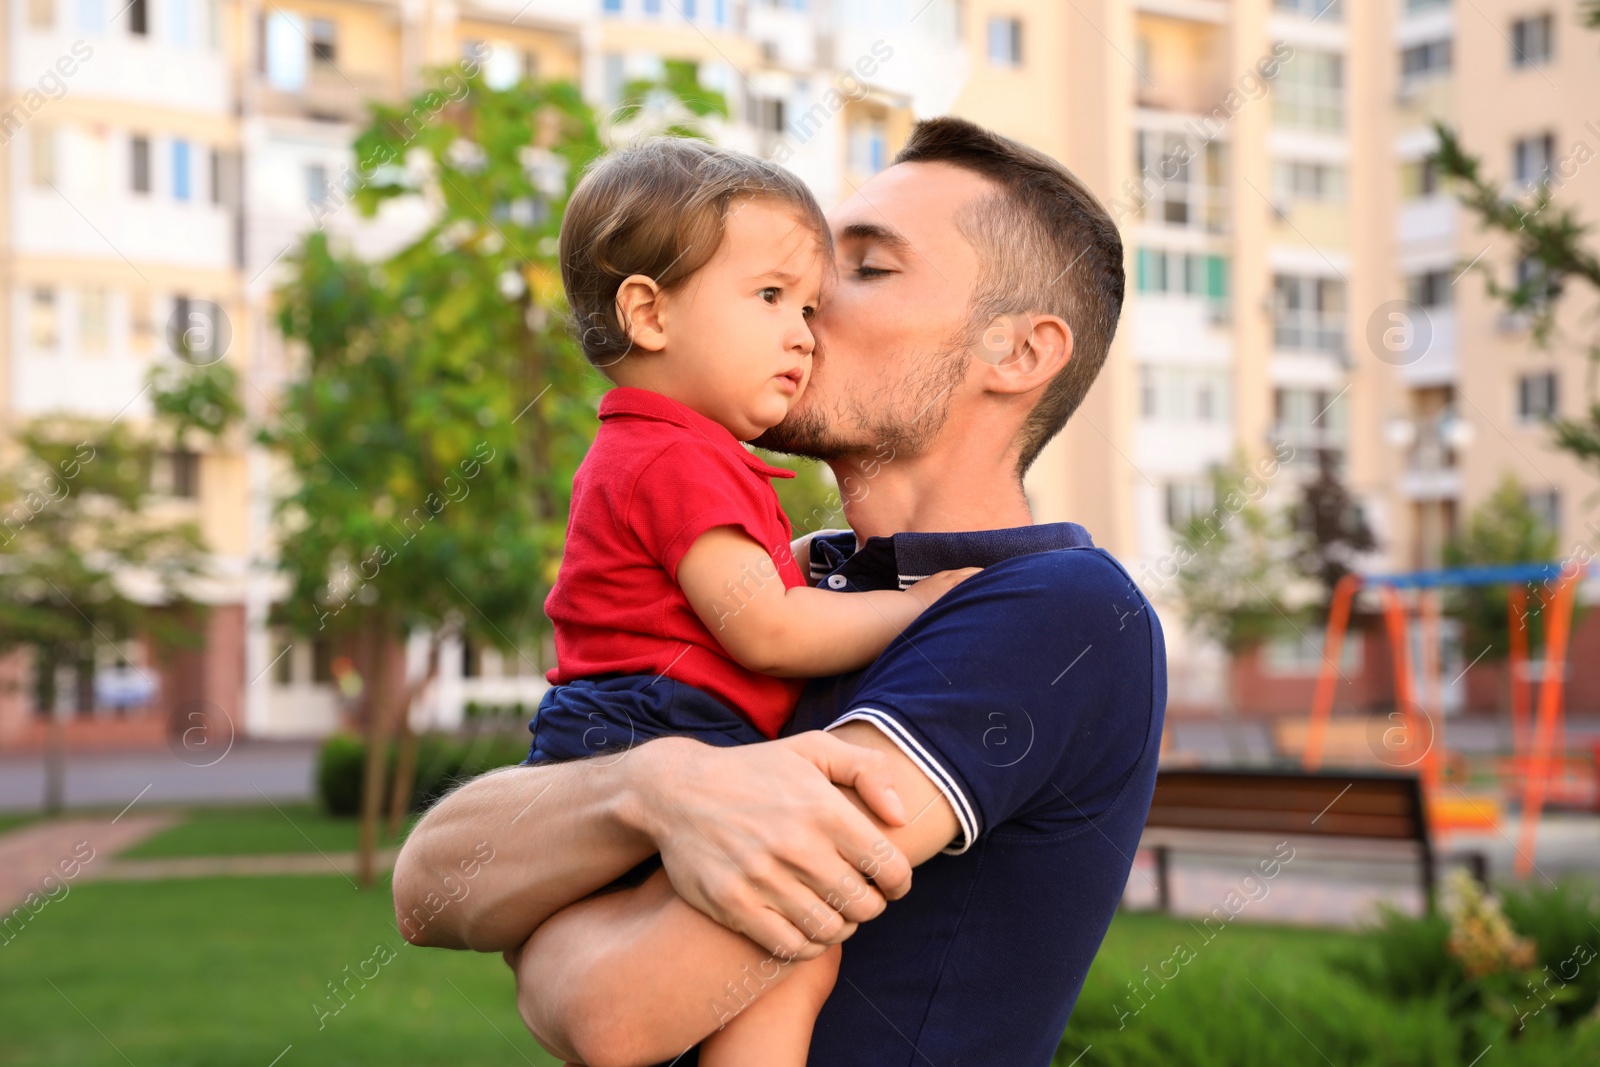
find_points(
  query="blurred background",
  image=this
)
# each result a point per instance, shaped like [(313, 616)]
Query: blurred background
[(289, 413)]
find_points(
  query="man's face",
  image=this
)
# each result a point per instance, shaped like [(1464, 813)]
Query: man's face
[(892, 334)]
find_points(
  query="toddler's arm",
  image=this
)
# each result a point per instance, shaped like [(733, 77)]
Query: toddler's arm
[(734, 587)]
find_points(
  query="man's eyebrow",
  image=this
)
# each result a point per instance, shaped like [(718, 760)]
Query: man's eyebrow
[(874, 233)]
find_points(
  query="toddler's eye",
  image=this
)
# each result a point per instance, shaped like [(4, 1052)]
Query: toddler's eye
[(770, 294), (807, 311)]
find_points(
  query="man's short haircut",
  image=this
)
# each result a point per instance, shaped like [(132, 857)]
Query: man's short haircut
[(1045, 245), (659, 208)]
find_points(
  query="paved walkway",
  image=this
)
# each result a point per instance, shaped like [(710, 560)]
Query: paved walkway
[(30, 855)]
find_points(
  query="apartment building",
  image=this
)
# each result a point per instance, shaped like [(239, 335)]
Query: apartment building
[(1296, 276)]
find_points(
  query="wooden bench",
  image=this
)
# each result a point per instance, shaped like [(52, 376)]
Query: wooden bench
[(1364, 816)]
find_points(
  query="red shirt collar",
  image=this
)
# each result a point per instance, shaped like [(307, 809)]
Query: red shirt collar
[(626, 402)]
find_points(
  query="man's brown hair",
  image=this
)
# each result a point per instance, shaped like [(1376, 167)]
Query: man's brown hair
[(1045, 245), (658, 208)]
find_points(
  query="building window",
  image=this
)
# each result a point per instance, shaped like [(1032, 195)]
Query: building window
[(1546, 507), (1310, 421), (282, 646), (1532, 159), (652, 8), (611, 7), (176, 474), (1536, 397), (1310, 91), (769, 114), (1181, 393), (321, 661), (1419, 178), (868, 146), (284, 51), (1533, 41), (719, 12), (1308, 313), (180, 170), (91, 16), (1308, 181), (42, 160), (177, 21), (1430, 289), (316, 183), (139, 164), (93, 320), (1188, 500), (138, 18), (325, 41), (1421, 62), (44, 332), (1162, 271), (1005, 42), (1187, 184)]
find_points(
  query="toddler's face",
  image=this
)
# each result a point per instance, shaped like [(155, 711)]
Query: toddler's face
[(739, 343)]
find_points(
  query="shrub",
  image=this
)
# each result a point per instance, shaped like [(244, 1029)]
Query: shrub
[(442, 762)]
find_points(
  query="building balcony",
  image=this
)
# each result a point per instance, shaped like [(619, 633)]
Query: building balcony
[(1429, 222), (1216, 12), (326, 95), (1436, 359), (1313, 332)]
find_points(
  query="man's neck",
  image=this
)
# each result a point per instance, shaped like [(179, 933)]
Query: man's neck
[(944, 493)]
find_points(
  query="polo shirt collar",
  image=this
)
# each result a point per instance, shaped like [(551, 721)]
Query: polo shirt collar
[(626, 402), (897, 561)]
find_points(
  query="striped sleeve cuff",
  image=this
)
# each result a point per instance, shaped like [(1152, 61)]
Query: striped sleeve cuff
[(895, 731)]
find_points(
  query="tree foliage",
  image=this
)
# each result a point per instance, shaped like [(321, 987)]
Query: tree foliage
[(1503, 529)]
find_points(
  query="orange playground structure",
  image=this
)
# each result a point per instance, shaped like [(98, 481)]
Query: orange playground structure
[(1538, 748)]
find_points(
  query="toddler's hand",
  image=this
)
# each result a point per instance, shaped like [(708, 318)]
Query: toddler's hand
[(937, 585)]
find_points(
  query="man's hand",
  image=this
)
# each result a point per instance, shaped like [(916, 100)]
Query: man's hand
[(937, 585), (760, 839)]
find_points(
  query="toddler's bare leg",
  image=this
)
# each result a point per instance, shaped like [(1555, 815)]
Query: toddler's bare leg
[(637, 976), (775, 1031)]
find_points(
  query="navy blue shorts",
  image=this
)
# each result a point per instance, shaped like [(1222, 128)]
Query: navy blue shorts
[(593, 716)]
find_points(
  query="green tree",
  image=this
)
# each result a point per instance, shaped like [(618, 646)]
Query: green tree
[(442, 406), (1330, 528), (85, 555), (1236, 577), (1503, 529)]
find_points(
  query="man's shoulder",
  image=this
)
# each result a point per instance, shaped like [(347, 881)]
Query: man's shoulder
[(1073, 585)]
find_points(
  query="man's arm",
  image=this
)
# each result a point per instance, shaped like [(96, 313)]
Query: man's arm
[(637, 978), (753, 836)]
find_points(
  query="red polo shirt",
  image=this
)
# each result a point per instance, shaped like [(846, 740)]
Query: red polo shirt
[(657, 477)]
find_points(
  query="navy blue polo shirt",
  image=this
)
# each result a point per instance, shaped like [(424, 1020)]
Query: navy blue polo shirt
[(1033, 696)]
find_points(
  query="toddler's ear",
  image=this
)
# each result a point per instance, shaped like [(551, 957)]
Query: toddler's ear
[(639, 306)]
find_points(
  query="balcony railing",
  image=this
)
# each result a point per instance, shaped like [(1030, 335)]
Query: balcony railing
[(1310, 331)]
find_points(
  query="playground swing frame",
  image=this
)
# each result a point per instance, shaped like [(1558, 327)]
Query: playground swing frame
[(1533, 753)]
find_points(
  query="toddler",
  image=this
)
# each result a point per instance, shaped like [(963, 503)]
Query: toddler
[(680, 609)]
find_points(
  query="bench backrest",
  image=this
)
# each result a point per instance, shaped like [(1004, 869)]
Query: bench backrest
[(1379, 806)]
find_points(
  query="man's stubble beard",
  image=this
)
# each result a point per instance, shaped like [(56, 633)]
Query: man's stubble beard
[(898, 420)]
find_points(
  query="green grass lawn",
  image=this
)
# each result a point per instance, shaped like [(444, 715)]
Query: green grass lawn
[(253, 830), (227, 971), (13, 820)]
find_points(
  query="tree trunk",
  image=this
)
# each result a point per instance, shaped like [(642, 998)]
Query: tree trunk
[(405, 766), (377, 746), (55, 749)]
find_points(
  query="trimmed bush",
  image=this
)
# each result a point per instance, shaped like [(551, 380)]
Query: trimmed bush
[(443, 760)]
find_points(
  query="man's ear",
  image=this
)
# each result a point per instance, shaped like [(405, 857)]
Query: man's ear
[(1024, 351), (639, 306)]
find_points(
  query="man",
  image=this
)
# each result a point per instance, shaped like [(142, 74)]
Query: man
[(1005, 747)]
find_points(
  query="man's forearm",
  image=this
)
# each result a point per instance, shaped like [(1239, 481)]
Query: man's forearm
[(555, 834)]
